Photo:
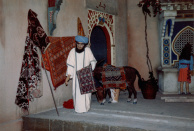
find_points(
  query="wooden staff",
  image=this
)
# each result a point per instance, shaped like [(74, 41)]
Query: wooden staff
[(50, 87)]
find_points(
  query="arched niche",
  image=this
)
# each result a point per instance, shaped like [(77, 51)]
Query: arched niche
[(106, 23), (181, 39)]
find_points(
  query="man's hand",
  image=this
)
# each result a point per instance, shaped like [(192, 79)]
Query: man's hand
[(67, 80)]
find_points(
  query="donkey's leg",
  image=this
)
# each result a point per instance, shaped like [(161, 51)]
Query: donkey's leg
[(130, 93), (104, 97), (109, 95), (135, 95), (100, 95)]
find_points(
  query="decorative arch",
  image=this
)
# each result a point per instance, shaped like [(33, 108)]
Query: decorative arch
[(106, 22), (181, 39), (168, 27), (108, 44)]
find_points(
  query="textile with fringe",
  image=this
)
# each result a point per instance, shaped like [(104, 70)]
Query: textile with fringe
[(86, 80), (56, 56), (113, 77), (29, 85)]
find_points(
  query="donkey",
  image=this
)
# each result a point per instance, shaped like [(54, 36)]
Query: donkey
[(130, 74)]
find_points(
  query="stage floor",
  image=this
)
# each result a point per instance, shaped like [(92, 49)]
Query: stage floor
[(147, 114)]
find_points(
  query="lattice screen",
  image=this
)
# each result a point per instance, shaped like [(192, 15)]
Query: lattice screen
[(181, 39)]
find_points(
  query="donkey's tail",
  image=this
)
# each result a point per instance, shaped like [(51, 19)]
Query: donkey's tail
[(140, 81)]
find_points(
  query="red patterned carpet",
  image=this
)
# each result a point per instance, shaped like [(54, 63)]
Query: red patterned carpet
[(55, 58)]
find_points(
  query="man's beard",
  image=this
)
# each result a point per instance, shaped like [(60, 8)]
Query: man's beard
[(80, 50)]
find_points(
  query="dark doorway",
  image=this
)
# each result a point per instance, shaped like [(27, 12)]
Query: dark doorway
[(99, 44)]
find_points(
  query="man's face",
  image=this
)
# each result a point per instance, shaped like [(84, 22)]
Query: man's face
[(80, 45)]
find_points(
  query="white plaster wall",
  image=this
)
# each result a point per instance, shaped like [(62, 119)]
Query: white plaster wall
[(67, 18), (136, 40), (121, 44), (13, 28), (170, 82), (2, 56)]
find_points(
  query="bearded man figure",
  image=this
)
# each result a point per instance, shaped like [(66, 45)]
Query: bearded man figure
[(79, 57)]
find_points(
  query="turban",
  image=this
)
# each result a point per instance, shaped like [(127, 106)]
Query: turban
[(82, 39)]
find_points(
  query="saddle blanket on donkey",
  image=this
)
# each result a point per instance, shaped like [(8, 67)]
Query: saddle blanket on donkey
[(113, 78)]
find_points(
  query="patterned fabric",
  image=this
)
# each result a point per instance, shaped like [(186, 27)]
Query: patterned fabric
[(86, 80), (113, 77), (184, 75), (46, 62), (56, 57), (30, 76), (53, 10), (36, 32)]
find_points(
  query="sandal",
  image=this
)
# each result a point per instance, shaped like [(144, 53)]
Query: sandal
[(189, 93), (182, 93)]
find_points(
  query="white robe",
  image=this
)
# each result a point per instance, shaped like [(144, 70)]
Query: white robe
[(81, 102)]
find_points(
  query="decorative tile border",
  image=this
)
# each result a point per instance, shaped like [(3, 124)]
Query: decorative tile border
[(166, 51)]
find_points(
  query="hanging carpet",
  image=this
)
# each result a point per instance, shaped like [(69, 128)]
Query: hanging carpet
[(36, 32), (46, 65), (29, 85), (56, 56)]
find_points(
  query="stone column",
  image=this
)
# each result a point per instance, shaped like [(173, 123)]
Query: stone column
[(167, 75)]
